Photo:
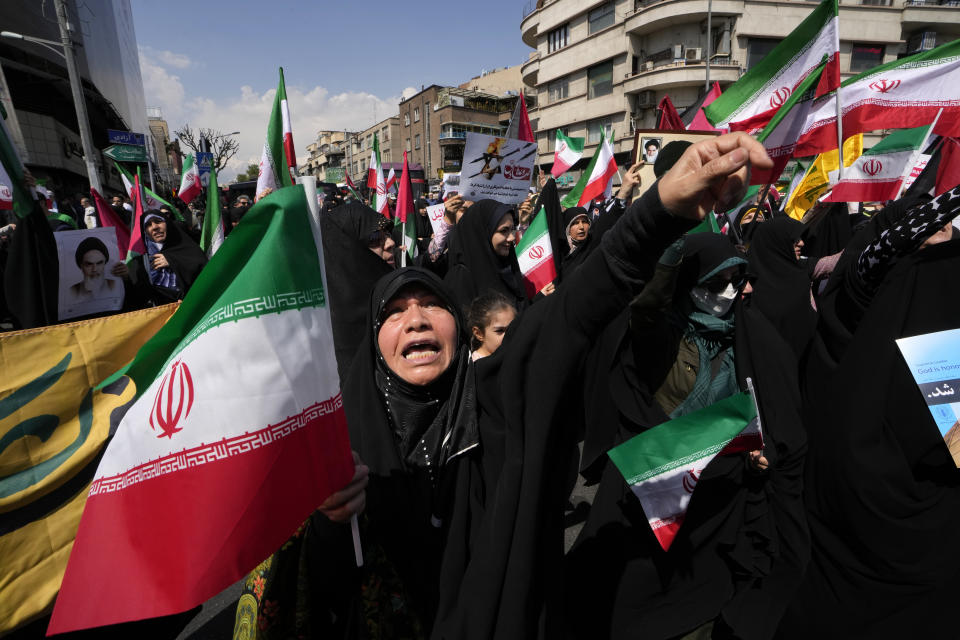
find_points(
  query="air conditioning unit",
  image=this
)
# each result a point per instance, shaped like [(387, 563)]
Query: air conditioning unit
[(678, 52), (646, 99), (692, 54)]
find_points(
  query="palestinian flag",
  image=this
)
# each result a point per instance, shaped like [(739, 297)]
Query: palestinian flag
[(879, 173), (568, 152), (278, 157), (236, 434), (905, 93), (699, 121), (212, 234), (352, 187), (662, 465), (535, 255), (150, 199), (595, 179), (406, 209), (757, 96), (190, 186)]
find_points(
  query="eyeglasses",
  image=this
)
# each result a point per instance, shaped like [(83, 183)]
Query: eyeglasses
[(718, 285)]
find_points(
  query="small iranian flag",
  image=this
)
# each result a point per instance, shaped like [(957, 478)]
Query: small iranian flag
[(758, 95), (236, 434), (569, 151), (211, 237), (376, 182), (190, 186), (535, 255), (879, 173), (150, 199), (662, 465), (278, 157), (596, 178)]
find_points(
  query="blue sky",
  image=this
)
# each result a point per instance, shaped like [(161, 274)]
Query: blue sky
[(215, 63)]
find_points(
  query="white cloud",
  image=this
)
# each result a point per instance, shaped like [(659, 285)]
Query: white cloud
[(409, 92), (311, 110)]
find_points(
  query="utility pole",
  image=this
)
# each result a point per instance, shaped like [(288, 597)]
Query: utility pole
[(79, 103)]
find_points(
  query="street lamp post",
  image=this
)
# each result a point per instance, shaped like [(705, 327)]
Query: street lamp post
[(79, 104)]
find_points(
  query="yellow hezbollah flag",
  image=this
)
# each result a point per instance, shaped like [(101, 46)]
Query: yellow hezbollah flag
[(817, 179), (53, 427)]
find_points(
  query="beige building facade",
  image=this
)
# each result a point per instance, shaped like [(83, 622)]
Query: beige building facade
[(361, 144), (326, 152), (608, 64), (500, 82)]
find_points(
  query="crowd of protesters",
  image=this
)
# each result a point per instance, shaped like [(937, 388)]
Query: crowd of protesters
[(474, 409)]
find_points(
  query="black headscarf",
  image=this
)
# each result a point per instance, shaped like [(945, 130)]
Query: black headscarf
[(882, 491), (475, 268), (185, 257), (352, 270), (781, 289)]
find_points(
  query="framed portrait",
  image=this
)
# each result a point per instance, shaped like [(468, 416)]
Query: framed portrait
[(647, 144), (87, 285)]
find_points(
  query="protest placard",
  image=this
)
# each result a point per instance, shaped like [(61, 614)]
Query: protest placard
[(498, 168), (86, 284), (435, 214)]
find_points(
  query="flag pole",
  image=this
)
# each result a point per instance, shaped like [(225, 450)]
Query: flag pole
[(756, 405), (403, 253), (916, 154), (839, 134), (355, 530)]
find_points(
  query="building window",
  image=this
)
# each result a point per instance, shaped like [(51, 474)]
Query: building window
[(601, 17), (370, 141), (600, 80), (385, 134), (757, 50), (922, 41), (865, 56), (558, 89), (558, 38), (595, 129), (408, 144), (416, 114), (552, 137), (363, 166), (416, 141), (406, 119)]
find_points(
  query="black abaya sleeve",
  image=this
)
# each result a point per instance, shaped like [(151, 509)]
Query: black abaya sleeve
[(501, 575)]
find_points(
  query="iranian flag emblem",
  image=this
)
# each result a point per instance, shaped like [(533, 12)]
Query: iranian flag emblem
[(535, 256)]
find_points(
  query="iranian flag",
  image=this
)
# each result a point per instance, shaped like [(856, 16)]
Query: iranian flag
[(236, 433), (211, 236), (137, 247), (406, 209), (278, 158), (595, 178), (905, 93), (376, 182), (109, 218), (568, 152), (879, 173), (662, 465), (764, 89), (190, 186), (535, 255)]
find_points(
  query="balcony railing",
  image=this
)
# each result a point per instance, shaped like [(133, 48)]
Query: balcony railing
[(528, 7), (453, 135)]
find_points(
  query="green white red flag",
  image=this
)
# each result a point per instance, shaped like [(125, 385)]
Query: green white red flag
[(879, 173), (568, 153), (905, 93), (376, 182), (406, 209), (663, 465), (109, 218), (190, 186), (596, 178), (136, 247), (535, 255), (279, 158), (753, 99), (150, 199), (212, 234), (236, 434)]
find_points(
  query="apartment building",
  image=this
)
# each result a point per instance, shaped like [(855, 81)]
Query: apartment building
[(325, 155), (360, 145), (434, 124), (608, 63)]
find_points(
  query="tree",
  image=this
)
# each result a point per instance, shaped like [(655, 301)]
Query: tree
[(223, 147), (252, 173)]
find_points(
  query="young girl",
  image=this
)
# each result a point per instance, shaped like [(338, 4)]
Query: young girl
[(488, 318)]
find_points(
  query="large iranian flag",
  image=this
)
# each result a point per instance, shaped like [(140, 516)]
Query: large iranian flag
[(879, 173), (664, 464), (237, 432), (568, 152), (535, 255), (901, 94), (596, 178), (279, 157), (764, 89), (190, 186)]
